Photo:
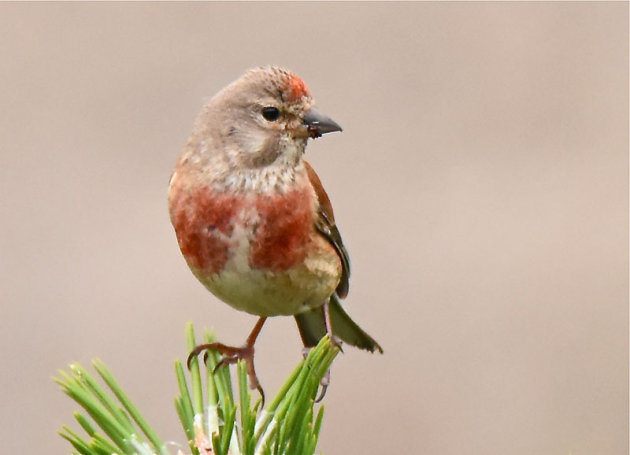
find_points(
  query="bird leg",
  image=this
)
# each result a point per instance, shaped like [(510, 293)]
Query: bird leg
[(325, 381), (336, 341), (233, 354)]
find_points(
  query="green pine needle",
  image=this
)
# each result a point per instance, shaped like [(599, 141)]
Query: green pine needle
[(213, 421)]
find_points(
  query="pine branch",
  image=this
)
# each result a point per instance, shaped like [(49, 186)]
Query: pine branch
[(213, 421)]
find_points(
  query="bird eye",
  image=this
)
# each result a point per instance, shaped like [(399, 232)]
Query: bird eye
[(271, 113)]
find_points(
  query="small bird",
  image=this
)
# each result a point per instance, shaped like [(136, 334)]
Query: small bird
[(252, 218)]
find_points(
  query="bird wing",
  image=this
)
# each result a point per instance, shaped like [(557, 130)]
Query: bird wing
[(311, 323), (326, 226)]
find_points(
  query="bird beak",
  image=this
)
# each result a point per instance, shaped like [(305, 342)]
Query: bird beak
[(319, 123)]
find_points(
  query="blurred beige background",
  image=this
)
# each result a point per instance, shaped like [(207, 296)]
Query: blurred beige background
[(481, 184)]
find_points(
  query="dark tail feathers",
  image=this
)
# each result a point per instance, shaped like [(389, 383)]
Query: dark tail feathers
[(312, 327)]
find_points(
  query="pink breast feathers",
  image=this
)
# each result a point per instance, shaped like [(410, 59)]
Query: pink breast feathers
[(203, 221), (286, 225), (280, 228)]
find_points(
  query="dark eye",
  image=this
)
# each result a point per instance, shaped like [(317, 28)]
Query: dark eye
[(271, 113)]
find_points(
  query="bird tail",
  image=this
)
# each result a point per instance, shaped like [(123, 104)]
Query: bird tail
[(312, 327)]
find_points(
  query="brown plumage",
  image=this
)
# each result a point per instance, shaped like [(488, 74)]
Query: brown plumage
[(326, 225)]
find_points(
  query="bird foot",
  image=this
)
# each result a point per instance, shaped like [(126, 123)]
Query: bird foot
[(336, 342), (325, 381), (231, 355)]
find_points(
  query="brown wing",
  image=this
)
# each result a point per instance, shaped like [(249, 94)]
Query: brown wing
[(326, 226)]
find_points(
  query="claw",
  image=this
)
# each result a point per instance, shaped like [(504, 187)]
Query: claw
[(262, 396), (324, 383), (223, 362), (198, 350), (336, 342), (322, 393)]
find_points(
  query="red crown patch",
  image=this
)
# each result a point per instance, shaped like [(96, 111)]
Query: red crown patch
[(297, 88)]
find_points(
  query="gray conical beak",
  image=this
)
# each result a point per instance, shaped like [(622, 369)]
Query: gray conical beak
[(319, 123)]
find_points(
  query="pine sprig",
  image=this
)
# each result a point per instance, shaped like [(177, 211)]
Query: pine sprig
[(213, 421)]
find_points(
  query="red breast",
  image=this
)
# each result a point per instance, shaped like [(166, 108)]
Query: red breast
[(279, 226)]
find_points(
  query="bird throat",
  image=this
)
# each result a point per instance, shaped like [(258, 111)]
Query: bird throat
[(276, 177), (271, 179)]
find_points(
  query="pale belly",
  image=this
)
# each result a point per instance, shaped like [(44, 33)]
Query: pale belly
[(267, 293)]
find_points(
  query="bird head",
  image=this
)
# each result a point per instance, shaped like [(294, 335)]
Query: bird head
[(263, 119)]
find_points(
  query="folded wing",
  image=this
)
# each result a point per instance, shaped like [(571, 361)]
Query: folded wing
[(311, 323)]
